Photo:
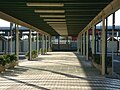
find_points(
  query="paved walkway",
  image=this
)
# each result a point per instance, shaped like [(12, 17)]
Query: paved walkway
[(56, 71)]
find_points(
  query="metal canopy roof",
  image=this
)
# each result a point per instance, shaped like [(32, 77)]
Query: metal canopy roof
[(56, 17)]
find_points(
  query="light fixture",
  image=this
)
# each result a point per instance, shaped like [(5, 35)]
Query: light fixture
[(49, 11), (53, 16), (46, 4), (58, 26), (54, 20), (75, 24)]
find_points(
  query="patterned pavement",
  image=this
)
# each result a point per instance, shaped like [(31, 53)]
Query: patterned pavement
[(56, 71)]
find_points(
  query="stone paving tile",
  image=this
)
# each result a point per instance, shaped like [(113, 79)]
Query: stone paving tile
[(56, 71)]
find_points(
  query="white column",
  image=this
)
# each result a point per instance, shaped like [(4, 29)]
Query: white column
[(17, 42), (43, 44), (30, 44), (103, 46), (113, 25), (81, 43), (87, 45), (93, 40), (49, 43), (46, 43), (11, 24), (8, 42), (37, 43), (11, 43), (78, 44)]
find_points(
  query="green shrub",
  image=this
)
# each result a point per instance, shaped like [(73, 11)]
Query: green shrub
[(33, 54), (45, 50), (13, 57), (27, 54), (41, 51), (2, 61), (6, 58)]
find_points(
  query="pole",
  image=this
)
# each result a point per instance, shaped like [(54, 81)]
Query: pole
[(30, 45), (113, 25), (17, 42)]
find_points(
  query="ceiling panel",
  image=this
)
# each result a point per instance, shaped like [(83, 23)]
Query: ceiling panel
[(56, 17)]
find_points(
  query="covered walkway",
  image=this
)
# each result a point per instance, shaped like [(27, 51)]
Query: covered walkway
[(56, 71)]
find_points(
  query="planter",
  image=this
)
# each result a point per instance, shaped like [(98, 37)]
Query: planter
[(11, 65), (7, 61), (2, 68)]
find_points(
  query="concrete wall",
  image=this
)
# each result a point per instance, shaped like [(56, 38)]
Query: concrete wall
[(23, 46)]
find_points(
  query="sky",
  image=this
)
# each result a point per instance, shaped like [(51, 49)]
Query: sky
[(4, 23)]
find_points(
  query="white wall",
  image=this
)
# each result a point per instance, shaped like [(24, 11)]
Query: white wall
[(112, 44), (25, 45), (33, 45)]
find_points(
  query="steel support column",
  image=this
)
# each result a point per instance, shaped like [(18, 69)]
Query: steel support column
[(81, 44), (106, 29), (11, 24), (46, 44), (8, 42), (40, 41), (87, 42), (43, 44), (84, 44), (93, 40), (103, 46), (17, 42), (95, 34), (30, 45), (113, 28), (37, 43), (78, 44), (58, 42), (49, 43)]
